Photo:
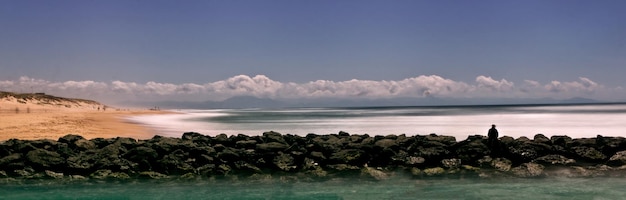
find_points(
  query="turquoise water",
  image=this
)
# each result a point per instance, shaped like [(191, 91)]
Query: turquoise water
[(341, 188)]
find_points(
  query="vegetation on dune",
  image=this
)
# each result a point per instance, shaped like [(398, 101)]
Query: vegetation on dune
[(44, 99)]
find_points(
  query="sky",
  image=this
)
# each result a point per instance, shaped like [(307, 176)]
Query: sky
[(189, 50)]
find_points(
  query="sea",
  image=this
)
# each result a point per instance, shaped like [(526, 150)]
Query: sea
[(574, 120), (582, 120)]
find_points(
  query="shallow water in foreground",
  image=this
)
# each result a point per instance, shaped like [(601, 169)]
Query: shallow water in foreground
[(341, 188)]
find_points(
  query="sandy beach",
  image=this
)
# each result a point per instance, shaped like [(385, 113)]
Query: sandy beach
[(34, 121)]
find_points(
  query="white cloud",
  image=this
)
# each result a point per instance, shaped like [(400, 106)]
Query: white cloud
[(264, 87), (487, 82)]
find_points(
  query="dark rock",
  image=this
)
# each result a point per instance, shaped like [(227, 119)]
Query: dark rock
[(526, 170), (561, 140), (271, 146), (540, 138), (386, 143), (246, 144), (44, 159), (413, 161), (447, 140), (349, 156), (284, 162), (343, 134), (452, 163), (554, 160), (53, 175), (501, 164), (273, 137), (152, 175), (472, 149), (70, 139), (588, 153), (374, 173), (618, 159), (435, 171), (143, 156), (108, 174), (228, 154), (343, 167), (193, 136), (12, 162)]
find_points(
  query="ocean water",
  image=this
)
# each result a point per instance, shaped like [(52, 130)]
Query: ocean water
[(459, 121), (397, 187)]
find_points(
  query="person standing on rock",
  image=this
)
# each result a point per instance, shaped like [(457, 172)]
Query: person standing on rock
[(493, 138)]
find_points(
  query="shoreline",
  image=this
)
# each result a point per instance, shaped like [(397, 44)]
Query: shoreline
[(51, 123)]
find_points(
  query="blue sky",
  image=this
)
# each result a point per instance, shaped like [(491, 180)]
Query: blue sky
[(534, 49)]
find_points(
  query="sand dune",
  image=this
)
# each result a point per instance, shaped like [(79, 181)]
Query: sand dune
[(40, 116)]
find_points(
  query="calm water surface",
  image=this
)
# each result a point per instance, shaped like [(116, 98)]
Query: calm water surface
[(395, 188), (458, 121)]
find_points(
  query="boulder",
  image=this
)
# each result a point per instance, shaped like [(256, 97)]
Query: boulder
[(374, 173), (472, 149), (53, 175), (284, 162), (540, 138), (527, 170), (452, 163), (152, 175), (386, 143), (588, 153), (618, 159), (272, 136), (349, 156), (501, 164), (271, 147), (71, 138), (414, 161), (554, 160), (44, 159), (435, 171)]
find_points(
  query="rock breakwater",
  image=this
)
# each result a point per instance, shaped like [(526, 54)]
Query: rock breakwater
[(196, 156)]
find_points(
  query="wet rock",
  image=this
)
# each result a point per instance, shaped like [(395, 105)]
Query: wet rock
[(44, 159), (152, 175), (284, 162), (342, 167), (554, 160), (588, 153), (53, 175), (526, 170), (3, 174), (540, 138), (472, 149), (374, 173), (386, 143), (414, 161), (273, 137), (618, 159), (197, 138), (435, 171), (12, 162), (561, 140), (348, 156), (501, 164), (452, 163), (246, 144), (271, 147), (108, 174)]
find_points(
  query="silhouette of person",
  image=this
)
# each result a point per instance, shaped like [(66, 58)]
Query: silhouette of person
[(493, 138)]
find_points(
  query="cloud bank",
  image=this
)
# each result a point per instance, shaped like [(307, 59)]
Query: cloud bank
[(263, 87)]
